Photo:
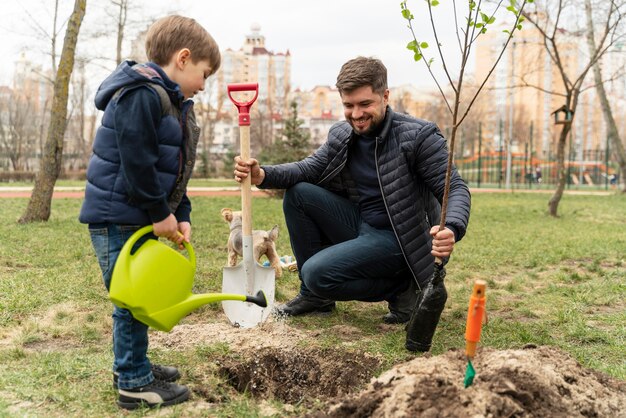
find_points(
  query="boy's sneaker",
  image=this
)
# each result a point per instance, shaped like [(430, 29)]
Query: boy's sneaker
[(164, 373), (157, 393)]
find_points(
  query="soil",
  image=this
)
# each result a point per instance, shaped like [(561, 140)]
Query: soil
[(274, 361), (531, 382), (300, 375)]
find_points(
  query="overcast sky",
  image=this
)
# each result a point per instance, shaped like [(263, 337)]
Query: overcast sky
[(320, 34)]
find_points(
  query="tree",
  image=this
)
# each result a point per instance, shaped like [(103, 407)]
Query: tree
[(208, 108), (38, 208), (294, 143), (613, 133), (477, 21), (122, 6), (81, 124), (550, 21), (16, 129)]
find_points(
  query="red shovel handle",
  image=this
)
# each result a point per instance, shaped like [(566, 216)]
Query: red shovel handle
[(243, 107)]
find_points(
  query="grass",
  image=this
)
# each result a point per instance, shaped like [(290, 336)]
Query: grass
[(551, 281)]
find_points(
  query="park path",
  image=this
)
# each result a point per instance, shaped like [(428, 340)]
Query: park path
[(79, 192), (63, 192)]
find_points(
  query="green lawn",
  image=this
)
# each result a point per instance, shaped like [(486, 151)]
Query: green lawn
[(551, 281)]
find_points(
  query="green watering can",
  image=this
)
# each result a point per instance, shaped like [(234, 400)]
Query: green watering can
[(154, 283)]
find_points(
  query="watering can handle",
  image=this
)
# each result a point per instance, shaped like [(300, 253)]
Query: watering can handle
[(146, 230)]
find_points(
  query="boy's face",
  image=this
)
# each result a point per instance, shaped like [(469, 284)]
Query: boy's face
[(192, 77)]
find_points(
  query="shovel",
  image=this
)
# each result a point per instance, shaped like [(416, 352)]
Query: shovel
[(154, 283), (248, 277)]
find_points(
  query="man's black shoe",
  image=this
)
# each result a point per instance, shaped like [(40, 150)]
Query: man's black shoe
[(153, 394), (402, 304), (164, 373), (301, 305)]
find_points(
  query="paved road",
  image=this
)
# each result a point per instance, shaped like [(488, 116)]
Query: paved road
[(78, 192)]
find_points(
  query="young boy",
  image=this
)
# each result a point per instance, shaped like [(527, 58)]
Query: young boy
[(143, 156)]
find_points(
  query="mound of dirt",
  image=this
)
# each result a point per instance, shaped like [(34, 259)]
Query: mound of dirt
[(296, 375), (532, 382)]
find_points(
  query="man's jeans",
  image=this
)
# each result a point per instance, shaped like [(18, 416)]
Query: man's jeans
[(130, 337), (339, 256)]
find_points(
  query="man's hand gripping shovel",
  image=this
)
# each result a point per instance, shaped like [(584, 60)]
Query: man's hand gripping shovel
[(248, 277)]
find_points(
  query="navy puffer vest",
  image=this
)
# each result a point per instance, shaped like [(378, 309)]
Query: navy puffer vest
[(106, 196)]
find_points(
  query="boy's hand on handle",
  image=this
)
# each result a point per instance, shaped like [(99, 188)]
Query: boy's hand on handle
[(250, 167), (168, 228), (184, 228), (443, 242)]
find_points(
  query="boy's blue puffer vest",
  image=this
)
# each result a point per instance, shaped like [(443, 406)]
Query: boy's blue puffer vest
[(106, 198)]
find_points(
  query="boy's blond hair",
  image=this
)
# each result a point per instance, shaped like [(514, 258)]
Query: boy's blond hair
[(170, 34)]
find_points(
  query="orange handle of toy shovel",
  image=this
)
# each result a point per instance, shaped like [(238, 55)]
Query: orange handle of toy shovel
[(475, 316)]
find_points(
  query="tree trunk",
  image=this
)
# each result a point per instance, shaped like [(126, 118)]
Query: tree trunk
[(553, 203), (41, 199), (121, 24), (611, 127)]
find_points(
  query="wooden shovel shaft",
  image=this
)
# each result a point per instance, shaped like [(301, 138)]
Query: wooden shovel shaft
[(246, 185)]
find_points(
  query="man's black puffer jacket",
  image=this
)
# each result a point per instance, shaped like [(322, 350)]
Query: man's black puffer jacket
[(411, 157)]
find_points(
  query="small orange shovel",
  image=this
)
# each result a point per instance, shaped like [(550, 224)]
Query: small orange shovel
[(476, 313)]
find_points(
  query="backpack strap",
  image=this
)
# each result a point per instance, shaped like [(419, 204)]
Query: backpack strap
[(164, 98)]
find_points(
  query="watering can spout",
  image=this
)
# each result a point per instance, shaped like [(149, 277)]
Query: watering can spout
[(165, 319)]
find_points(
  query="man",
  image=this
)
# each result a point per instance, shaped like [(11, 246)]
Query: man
[(363, 210)]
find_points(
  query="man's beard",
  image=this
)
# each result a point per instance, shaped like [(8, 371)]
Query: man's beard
[(374, 126)]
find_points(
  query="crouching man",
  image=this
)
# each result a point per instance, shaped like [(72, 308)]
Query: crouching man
[(363, 211)]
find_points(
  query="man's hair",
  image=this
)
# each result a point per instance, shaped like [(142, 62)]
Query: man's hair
[(361, 72), (170, 34)]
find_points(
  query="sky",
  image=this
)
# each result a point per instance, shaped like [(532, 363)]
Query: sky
[(320, 34)]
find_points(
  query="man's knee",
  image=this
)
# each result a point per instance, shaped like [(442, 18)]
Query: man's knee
[(317, 279), (293, 193)]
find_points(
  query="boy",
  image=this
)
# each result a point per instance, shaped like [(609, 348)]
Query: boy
[(143, 156)]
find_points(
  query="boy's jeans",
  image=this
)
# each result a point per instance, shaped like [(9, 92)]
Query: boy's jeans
[(130, 337), (339, 256)]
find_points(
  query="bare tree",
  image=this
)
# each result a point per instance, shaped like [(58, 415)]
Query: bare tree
[(80, 123), (613, 133), (122, 6), (475, 24), (38, 208), (549, 21), (15, 129), (208, 107)]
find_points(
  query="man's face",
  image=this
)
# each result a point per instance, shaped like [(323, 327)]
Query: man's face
[(364, 110)]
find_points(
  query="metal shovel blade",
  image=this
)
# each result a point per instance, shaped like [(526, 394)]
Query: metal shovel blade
[(248, 278)]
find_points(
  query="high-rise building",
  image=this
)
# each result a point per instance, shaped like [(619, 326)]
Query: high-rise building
[(254, 63)]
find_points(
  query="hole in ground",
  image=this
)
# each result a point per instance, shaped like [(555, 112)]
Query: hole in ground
[(299, 375)]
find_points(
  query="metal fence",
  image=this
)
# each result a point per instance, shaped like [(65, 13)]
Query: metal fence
[(593, 170)]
